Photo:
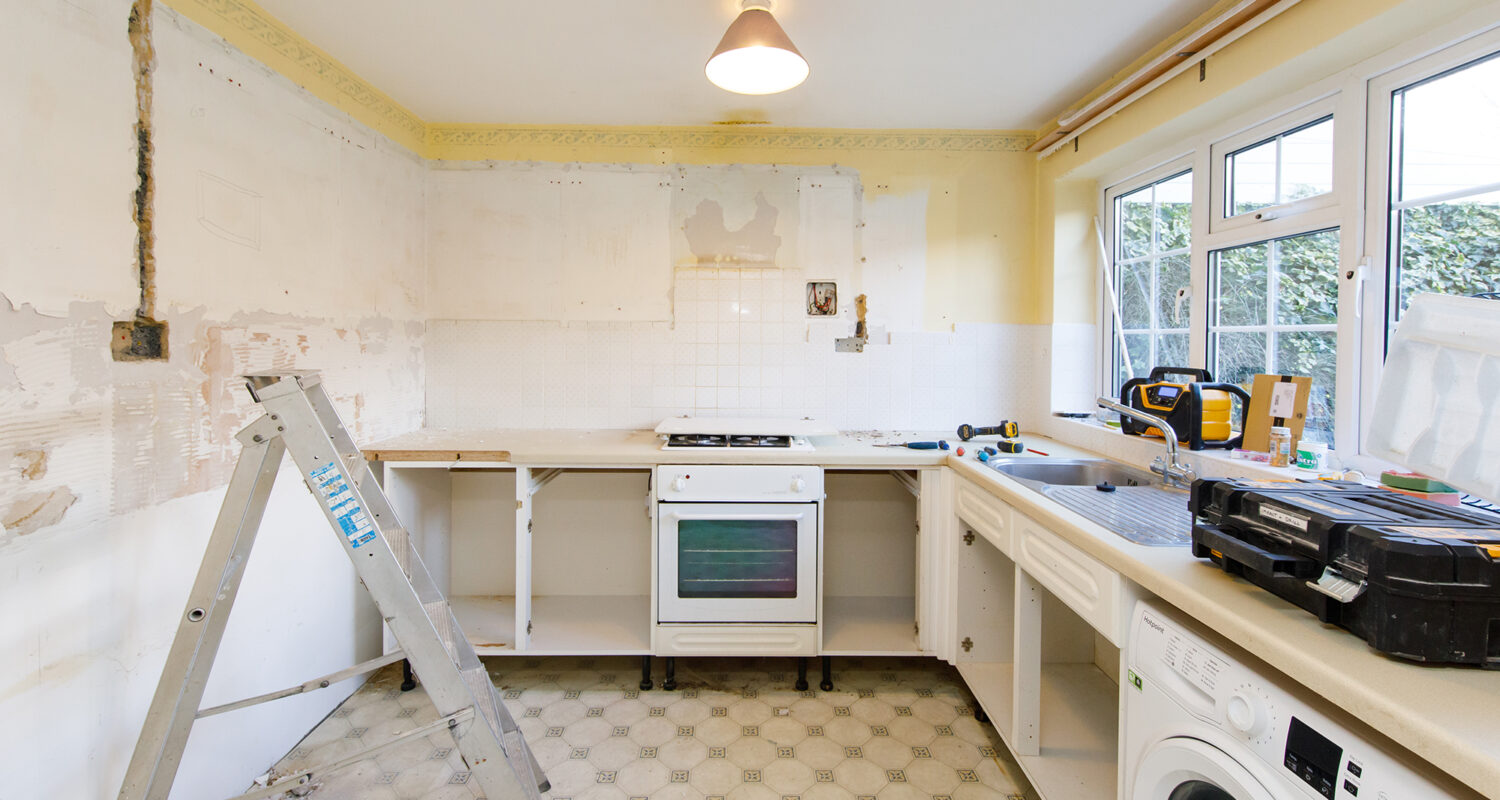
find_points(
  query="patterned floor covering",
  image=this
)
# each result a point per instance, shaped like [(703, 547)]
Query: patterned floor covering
[(893, 729)]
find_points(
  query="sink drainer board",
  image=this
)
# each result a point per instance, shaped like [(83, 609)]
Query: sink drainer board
[(1143, 515)]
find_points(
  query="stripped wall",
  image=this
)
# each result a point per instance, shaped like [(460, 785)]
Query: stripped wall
[(518, 336), (288, 237)]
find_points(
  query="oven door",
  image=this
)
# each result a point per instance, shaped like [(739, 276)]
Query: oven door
[(737, 562)]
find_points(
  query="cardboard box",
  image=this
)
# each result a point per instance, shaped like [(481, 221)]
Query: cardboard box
[(1276, 401)]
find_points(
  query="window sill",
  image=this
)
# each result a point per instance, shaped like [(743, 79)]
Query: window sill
[(1138, 450)]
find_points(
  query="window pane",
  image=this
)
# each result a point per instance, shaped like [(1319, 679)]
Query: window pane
[(1241, 285), (1135, 295), (1307, 279), (1172, 350), (1302, 273), (1253, 184), (1174, 212), (1447, 132), (1172, 275), (1307, 162), (1140, 358), (1449, 248), (1135, 224), (1152, 221), (1238, 357), (1288, 167), (1314, 354)]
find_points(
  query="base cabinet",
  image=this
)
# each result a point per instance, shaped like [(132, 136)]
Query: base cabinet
[(1028, 616)]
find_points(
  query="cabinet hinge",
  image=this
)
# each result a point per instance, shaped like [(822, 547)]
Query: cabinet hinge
[(528, 627), (969, 538), (967, 644), (528, 526)]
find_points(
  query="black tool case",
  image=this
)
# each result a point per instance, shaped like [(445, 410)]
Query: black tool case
[(1413, 578)]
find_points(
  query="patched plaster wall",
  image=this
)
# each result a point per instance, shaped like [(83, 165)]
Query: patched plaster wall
[(287, 237)]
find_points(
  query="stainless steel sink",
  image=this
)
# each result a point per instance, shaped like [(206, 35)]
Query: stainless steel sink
[(1127, 501), (1037, 472)]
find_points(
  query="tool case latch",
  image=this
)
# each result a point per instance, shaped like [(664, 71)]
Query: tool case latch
[(1337, 586)]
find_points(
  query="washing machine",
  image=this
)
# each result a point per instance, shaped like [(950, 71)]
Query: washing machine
[(1201, 725)]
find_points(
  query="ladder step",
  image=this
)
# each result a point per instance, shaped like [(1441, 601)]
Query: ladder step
[(442, 619), (478, 681), (400, 543)]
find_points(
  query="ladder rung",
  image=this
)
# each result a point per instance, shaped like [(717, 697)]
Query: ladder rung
[(400, 543), (478, 681)]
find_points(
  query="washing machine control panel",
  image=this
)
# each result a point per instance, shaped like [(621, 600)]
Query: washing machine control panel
[(1277, 721)]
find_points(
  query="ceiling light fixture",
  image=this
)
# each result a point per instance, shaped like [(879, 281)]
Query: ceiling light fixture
[(756, 56)]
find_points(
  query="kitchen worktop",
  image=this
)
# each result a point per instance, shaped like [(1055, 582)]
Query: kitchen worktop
[(1445, 715), (619, 448)]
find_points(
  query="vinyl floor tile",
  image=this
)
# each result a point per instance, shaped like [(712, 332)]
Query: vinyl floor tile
[(733, 728)]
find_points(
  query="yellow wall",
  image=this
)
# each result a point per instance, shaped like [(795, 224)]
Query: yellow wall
[(980, 184), (1311, 41)]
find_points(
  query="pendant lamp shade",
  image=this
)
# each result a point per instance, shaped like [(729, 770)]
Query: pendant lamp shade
[(756, 56)]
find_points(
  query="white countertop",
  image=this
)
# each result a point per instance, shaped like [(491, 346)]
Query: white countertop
[(623, 448), (1449, 716)]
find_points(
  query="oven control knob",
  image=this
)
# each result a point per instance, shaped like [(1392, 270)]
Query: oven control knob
[(1247, 713), (798, 485), (679, 484)]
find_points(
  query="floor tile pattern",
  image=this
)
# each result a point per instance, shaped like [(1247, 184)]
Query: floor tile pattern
[(733, 729)]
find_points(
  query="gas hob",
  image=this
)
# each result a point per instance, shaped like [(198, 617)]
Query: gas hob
[(720, 433)]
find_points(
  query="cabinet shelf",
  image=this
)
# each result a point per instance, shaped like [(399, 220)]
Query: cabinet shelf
[(869, 626), (1079, 726), (489, 622), (604, 625)]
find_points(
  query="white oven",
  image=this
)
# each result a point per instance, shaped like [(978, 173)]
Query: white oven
[(738, 543)]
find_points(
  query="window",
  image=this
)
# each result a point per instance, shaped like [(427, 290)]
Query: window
[(1273, 308), (1153, 228), (1445, 186), (1287, 264), (1291, 166)]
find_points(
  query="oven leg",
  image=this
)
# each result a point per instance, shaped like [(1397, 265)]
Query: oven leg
[(979, 715), (408, 681), (802, 674), (645, 673), (671, 682), (827, 684)]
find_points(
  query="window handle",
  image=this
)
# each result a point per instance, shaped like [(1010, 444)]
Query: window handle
[(1359, 273)]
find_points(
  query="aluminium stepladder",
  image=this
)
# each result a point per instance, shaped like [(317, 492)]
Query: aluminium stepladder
[(300, 420)]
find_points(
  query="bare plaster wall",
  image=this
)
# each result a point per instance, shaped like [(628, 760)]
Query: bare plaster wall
[(288, 237)]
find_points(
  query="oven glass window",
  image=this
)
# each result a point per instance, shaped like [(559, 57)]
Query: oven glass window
[(737, 558)]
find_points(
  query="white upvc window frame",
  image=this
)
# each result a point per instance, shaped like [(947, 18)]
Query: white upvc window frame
[(1341, 99), (1342, 96), (1377, 244), (1109, 340), (1282, 125), (1357, 205)]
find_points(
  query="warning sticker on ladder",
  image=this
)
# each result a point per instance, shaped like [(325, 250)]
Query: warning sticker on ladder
[(351, 519)]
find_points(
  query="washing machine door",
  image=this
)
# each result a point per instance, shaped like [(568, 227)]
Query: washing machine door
[(1183, 768)]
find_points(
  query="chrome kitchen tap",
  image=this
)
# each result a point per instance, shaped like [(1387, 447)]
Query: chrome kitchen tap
[(1172, 471)]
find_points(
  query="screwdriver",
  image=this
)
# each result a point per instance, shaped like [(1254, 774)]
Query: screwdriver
[(938, 445)]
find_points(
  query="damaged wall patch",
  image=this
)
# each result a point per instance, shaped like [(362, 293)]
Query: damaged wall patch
[(32, 512)]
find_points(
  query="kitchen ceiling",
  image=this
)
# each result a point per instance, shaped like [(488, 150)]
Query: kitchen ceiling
[(975, 64)]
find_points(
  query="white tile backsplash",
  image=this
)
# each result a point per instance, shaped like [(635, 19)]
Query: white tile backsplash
[(740, 346)]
